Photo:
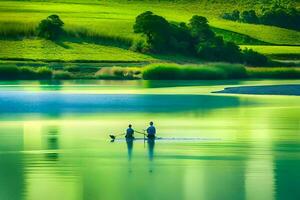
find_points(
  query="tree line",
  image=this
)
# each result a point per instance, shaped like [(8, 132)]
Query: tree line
[(195, 38), (275, 15)]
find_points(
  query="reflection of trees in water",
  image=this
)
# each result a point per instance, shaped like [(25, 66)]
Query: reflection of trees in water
[(286, 171), (52, 143)]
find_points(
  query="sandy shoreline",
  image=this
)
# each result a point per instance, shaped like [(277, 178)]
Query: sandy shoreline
[(264, 90)]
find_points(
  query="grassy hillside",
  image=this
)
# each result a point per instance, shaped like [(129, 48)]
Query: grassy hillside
[(37, 49), (114, 19)]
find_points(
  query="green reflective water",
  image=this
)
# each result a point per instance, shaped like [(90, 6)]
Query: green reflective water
[(54, 142)]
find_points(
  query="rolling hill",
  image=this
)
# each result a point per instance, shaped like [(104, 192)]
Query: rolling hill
[(114, 20)]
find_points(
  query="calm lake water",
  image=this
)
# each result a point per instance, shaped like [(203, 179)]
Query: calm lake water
[(54, 141)]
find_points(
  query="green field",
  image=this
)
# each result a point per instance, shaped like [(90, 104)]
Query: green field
[(269, 50), (276, 52), (114, 19), (37, 49)]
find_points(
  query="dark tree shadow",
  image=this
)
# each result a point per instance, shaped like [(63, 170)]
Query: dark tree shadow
[(62, 44)]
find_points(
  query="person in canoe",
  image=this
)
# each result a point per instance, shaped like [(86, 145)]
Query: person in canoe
[(129, 132), (151, 131)]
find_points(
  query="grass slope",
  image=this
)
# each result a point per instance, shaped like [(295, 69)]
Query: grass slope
[(277, 52), (36, 49)]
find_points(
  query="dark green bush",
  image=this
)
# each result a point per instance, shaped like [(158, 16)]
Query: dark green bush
[(51, 27), (73, 68), (282, 17), (62, 75), (277, 14), (27, 73), (155, 28), (9, 72), (166, 71), (194, 39), (234, 16), (139, 46), (254, 58), (119, 73), (274, 73), (24, 73), (249, 17), (43, 73)]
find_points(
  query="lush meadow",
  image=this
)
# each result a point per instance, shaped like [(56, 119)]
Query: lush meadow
[(45, 50), (116, 18)]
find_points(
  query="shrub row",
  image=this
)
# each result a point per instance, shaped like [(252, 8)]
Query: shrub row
[(276, 15), (24, 73), (274, 73), (119, 73), (167, 71)]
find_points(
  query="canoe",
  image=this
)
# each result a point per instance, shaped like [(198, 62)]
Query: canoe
[(166, 139)]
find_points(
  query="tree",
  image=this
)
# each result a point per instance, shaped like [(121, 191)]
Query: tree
[(200, 29), (234, 16), (180, 38), (156, 29), (51, 28), (254, 58), (249, 17)]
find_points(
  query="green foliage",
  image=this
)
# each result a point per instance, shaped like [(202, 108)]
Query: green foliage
[(218, 50), (62, 75), (166, 71), (8, 72), (282, 17), (249, 17), (119, 73), (234, 16), (254, 58), (276, 15), (43, 73), (24, 73), (73, 68), (51, 27), (156, 29), (274, 73), (139, 46), (196, 38), (180, 39), (200, 29)]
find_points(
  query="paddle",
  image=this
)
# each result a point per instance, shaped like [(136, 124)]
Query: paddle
[(144, 136), (114, 136), (140, 133)]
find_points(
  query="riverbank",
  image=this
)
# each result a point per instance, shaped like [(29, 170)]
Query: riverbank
[(141, 70), (293, 90)]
